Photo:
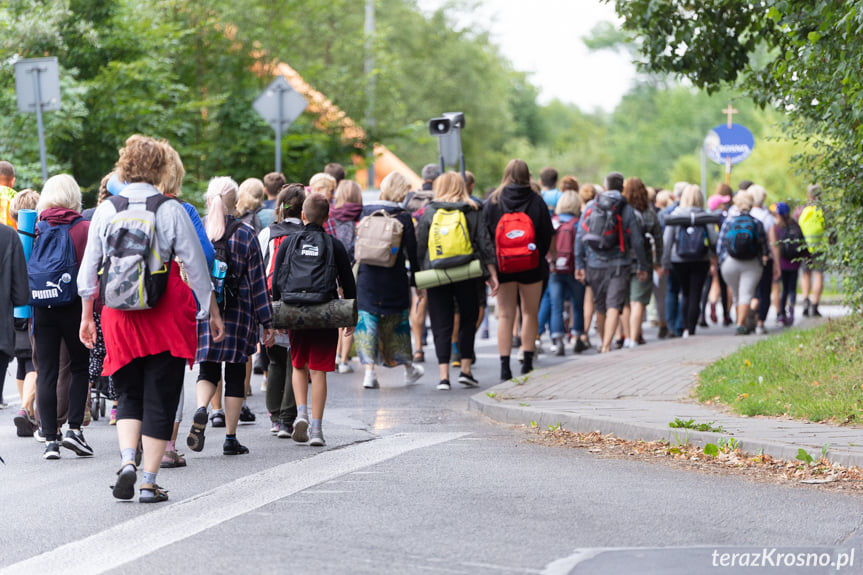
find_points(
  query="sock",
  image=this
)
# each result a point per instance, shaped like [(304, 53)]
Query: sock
[(302, 410), (151, 479), (527, 366), (128, 454), (316, 425), (230, 437), (171, 446)]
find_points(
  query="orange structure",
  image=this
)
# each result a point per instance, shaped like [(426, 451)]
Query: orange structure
[(330, 114)]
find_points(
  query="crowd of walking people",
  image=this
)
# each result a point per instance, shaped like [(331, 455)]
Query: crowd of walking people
[(128, 295)]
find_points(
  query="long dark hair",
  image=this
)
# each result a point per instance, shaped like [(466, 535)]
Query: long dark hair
[(516, 173)]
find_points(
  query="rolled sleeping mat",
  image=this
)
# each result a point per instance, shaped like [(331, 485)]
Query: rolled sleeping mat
[(332, 314), (437, 277), (692, 219), (26, 231)]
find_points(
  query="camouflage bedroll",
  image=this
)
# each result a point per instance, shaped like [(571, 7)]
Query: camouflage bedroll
[(332, 314)]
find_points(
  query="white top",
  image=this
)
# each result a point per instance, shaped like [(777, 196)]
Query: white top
[(175, 235)]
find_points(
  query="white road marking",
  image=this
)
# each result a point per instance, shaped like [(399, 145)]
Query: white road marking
[(173, 522), (565, 565)]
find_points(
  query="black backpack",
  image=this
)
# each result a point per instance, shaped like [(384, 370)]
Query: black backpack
[(603, 224), (792, 246), (308, 273), (227, 296)]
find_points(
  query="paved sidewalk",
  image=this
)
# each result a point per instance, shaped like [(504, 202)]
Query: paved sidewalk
[(634, 394)]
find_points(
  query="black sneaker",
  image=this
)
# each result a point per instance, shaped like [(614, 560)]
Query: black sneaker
[(246, 415), (806, 307), (285, 429), (233, 447), (505, 373), (52, 450), (75, 441), (443, 385), (580, 346), (195, 439), (467, 379)]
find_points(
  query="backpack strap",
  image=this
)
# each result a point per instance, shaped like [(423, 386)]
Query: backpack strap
[(120, 202), (156, 200)]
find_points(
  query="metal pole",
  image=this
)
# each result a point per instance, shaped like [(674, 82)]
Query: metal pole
[(39, 126), (460, 156), (370, 79), (703, 172), (279, 93), (728, 170)]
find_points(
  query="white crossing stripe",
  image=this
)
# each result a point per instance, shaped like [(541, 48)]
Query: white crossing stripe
[(173, 522)]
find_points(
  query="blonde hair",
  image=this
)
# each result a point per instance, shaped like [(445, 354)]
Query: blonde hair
[(348, 192), (759, 194), (569, 203), (322, 184), (221, 200), (23, 200), (60, 191), (172, 180), (663, 198), (450, 187), (250, 196), (395, 187), (743, 200), (586, 193), (692, 197)]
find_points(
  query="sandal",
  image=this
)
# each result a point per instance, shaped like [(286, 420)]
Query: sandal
[(125, 486), (419, 357), (172, 459), (158, 496), (195, 440)]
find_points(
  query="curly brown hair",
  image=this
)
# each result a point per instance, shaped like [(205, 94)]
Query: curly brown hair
[(143, 159)]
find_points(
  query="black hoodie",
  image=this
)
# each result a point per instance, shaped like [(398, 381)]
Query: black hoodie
[(515, 198)]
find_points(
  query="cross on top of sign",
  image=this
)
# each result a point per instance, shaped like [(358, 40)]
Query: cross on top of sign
[(729, 111)]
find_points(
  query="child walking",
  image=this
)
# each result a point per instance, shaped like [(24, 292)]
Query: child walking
[(309, 268)]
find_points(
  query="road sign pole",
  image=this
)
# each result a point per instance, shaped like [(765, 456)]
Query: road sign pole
[(279, 117), (728, 170), (39, 126)]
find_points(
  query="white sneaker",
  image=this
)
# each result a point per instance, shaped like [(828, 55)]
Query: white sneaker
[(413, 373), (630, 343), (370, 380), (759, 330), (345, 368), (685, 334)]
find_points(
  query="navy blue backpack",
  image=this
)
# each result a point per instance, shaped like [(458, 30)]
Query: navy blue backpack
[(53, 266)]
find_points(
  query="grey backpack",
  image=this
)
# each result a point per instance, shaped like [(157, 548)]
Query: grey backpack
[(133, 277)]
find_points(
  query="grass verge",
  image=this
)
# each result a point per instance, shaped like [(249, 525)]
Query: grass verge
[(812, 374)]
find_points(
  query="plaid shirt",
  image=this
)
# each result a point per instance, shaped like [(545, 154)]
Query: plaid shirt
[(253, 305)]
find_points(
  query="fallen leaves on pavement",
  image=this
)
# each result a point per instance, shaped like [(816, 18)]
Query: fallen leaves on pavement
[(760, 467)]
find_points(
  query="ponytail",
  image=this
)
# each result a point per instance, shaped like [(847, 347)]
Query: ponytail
[(221, 200)]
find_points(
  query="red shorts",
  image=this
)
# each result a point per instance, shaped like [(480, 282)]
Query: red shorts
[(314, 348)]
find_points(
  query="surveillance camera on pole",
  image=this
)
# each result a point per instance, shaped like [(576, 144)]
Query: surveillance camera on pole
[(448, 129)]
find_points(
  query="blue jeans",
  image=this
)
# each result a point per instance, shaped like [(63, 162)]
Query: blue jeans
[(673, 309), (545, 312), (563, 287)]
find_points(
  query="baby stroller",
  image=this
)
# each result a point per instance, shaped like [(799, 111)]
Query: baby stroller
[(99, 397)]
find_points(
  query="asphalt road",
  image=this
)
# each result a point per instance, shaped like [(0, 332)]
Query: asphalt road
[(410, 482)]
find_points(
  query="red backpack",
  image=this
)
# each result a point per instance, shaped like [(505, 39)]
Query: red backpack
[(515, 239), (564, 243)]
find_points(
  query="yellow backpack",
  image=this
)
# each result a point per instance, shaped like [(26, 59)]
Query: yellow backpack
[(449, 240), (812, 225)]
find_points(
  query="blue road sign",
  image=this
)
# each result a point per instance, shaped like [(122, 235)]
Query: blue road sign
[(724, 144)]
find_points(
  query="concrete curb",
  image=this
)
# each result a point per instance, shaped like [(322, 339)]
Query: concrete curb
[(505, 412)]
